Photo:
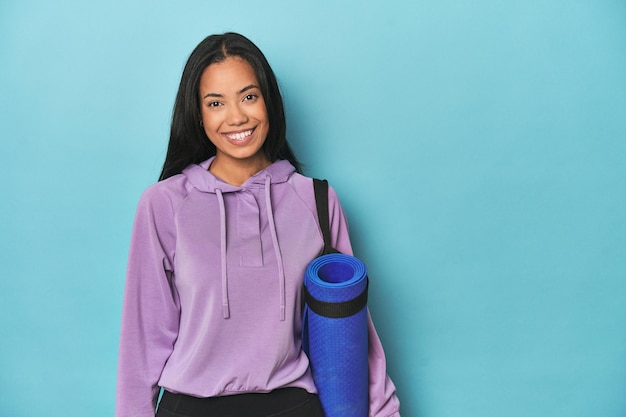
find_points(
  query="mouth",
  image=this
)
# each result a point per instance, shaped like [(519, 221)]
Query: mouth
[(239, 136)]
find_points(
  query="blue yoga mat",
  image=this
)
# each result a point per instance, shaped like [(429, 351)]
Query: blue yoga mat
[(335, 337)]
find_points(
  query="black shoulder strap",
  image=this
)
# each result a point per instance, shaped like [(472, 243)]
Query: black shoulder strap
[(321, 201)]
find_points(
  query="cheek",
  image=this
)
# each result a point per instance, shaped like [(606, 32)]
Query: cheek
[(210, 129), (262, 115), (209, 122)]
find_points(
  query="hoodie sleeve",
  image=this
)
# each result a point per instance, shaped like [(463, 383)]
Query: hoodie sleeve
[(150, 314), (383, 399)]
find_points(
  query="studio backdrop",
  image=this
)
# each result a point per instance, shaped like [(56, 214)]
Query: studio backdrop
[(478, 148)]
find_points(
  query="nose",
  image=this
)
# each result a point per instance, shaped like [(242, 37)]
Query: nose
[(236, 116)]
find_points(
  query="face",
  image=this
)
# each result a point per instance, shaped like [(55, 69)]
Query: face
[(234, 115)]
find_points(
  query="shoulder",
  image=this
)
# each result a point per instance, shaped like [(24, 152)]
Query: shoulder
[(300, 182), (165, 195), (304, 187)]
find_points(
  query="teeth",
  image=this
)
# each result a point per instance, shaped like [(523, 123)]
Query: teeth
[(240, 135)]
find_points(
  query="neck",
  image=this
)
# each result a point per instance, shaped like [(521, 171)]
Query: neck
[(236, 172)]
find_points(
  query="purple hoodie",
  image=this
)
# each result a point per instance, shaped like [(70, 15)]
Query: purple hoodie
[(213, 293)]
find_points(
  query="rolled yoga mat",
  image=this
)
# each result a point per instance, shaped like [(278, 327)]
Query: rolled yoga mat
[(335, 326)]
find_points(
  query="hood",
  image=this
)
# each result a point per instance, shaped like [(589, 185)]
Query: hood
[(199, 176)]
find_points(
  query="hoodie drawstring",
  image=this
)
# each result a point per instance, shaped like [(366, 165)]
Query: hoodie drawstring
[(225, 302), (279, 258)]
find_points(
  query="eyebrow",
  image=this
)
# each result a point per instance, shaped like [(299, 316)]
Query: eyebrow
[(243, 90)]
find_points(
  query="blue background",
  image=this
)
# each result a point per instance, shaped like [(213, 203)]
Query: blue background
[(478, 147)]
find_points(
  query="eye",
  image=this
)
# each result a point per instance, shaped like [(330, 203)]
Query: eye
[(213, 104), (250, 97)]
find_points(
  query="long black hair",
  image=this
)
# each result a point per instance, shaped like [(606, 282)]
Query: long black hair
[(188, 142)]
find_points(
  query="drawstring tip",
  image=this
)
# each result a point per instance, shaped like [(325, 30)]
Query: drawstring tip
[(225, 311), (282, 313)]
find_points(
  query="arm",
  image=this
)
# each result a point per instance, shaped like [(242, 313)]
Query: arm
[(150, 313), (383, 399)]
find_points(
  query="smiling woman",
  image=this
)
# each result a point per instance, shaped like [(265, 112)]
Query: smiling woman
[(212, 310), (188, 137), (235, 119)]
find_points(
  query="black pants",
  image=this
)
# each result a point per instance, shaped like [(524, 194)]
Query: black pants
[(285, 402)]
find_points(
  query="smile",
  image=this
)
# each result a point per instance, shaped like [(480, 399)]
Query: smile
[(239, 135)]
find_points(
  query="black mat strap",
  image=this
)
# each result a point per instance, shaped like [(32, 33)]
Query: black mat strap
[(336, 310)]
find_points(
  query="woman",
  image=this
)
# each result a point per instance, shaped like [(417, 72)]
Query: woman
[(212, 308)]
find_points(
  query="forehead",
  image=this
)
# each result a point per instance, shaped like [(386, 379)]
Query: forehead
[(228, 76)]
